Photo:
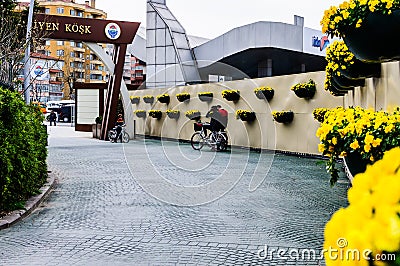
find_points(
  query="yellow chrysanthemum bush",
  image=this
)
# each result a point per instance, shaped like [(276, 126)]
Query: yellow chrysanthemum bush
[(339, 56), (367, 232), (357, 130), (351, 14)]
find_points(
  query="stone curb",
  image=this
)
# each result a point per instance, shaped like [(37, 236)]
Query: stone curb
[(30, 205)]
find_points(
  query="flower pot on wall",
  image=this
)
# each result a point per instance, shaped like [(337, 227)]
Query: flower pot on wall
[(373, 41), (231, 95), (265, 94), (135, 100), (360, 70), (246, 115), (206, 97), (355, 163), (284, 117)]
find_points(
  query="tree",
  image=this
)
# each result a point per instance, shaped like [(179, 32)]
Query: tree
[(13, 40)]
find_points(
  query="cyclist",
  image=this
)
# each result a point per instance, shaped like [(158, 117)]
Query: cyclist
[(120, 122), (223, 116)]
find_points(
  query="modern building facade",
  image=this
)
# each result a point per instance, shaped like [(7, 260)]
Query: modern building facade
[(260, 49)]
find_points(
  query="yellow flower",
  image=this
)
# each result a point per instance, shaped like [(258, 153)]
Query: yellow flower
[(321, 147), (355, 145), (334, 140)]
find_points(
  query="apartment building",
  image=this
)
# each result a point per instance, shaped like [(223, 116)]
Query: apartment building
[(80, 63)]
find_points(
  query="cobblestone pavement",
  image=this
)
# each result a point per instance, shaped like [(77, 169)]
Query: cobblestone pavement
[(100, 214)]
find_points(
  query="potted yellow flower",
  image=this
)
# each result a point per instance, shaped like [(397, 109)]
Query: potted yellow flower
[(245, 115), (183, 97), (148, 99), (157, 114), (264, 93), (357, 134), (366, 231), (205, 96), (173, 114), (367, 27), (140, 113), (163, 98), (134, 99), (284, 117), (305, 90), (231, 95), (193, 114)]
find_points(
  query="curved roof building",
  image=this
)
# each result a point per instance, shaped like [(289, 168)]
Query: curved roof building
[(259, 49)]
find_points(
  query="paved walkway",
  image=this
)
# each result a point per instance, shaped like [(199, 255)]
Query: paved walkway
[(131, 204)]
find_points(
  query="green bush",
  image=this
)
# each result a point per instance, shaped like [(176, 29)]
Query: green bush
[(23, 151)]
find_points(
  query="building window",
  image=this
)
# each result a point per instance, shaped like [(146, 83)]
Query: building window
[(60, 52), (72, 43), (72, 64), (60, 10), (101, 68), (60, 43), (47, 11), (72, 54), (72, 12), (79, 14), (139, 68), (47, 43), (79, 45), (139, 74)]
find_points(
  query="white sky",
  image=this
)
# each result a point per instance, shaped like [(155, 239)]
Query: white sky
[(211, 18)]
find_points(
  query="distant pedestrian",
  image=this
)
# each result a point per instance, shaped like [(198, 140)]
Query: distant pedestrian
[(53, 118)]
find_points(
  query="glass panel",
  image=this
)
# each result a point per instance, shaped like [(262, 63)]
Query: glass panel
[(175, 26), (180, 40), (160, 23), (151, 55), (160, 73), (166, 14), (151, 38), (170, 55), (185, 55), (160, 55), (151, 20), (160, 37)]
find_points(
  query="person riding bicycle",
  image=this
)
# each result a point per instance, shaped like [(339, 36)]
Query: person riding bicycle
[(215, 116), (120, 122)]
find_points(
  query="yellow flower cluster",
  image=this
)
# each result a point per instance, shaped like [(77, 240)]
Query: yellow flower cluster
[(319, 114), (338, 58), (183, 96), (358, 130), (245, 115), (148, 97), (140, 113), (169, 111), (206, 93), (263, 89), (165, 95), (227, 93), (352, 13), (193, 114), (305, 90), (134, 97), (283, 116), (155, 113), (369, 228)]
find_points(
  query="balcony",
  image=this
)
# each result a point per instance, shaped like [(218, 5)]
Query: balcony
[(96, 72), (96, 62), (78, 49)]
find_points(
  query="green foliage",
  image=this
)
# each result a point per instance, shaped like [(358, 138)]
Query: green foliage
[(23, 152)]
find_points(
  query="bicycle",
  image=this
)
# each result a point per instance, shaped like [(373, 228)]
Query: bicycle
[(217, 140), (123, 136)]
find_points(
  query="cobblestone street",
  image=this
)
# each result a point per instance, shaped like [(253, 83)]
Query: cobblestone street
[(110, 208)]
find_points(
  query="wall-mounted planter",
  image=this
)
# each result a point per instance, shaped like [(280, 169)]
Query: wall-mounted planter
[(305, 90), (193, 114), (148, 99), (183, 97), (245, 115), (231, 95), (163, 98), (173, 114), (205, 96), (157, 114), (140, 113), (284, 117), (135, 99), (266, 93)]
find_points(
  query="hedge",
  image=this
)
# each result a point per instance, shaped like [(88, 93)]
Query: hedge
[(23, 151)]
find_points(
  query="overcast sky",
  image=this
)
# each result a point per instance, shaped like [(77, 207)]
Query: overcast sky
[(211, 18)]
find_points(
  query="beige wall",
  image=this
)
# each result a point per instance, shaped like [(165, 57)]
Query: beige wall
[(298, 136)]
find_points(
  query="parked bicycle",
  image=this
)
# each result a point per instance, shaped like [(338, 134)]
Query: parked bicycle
[(217, 140), (123, 136)]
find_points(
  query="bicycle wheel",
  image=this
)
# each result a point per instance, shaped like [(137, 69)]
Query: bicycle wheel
[(222, 143), (111, 136), (197, 141), (125, 137)]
